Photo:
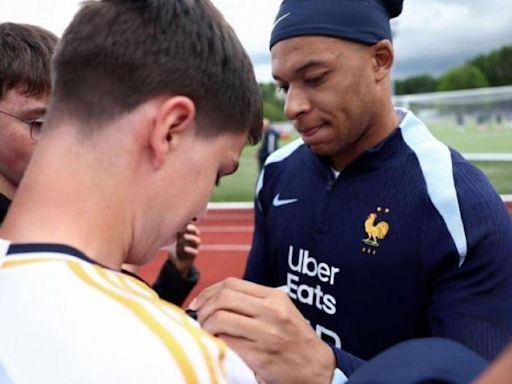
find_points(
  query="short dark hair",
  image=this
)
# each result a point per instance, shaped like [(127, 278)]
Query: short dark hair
[(25, 58), (117, 54)]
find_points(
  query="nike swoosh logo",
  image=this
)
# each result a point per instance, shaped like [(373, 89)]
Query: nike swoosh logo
[(277, 202), (280, 19)]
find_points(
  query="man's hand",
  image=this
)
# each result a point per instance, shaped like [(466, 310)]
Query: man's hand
[(265, 328), (186, 249)]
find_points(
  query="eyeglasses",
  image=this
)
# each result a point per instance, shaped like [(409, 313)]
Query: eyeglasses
[(34, 125)]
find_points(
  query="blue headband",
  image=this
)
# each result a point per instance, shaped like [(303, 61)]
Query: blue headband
[(362, 21)]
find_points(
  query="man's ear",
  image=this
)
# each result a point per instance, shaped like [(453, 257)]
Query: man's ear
[(382, 56), (175, 116)]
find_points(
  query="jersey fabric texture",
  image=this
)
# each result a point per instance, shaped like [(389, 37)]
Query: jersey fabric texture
[(68, 320), (408, 241)]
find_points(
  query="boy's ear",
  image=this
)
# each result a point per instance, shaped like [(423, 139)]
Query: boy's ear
[(175, 117), (383, 57)]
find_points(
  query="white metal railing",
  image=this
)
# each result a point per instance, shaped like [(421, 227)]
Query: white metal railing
[(491, 157), (477, 95)]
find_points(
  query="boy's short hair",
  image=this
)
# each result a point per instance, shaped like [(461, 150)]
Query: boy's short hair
[(25, 59), (117, 54)]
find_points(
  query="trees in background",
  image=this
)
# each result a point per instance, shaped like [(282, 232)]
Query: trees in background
[(465, 77), (273, 105), (496, 66), (490, 70), (416, 84)]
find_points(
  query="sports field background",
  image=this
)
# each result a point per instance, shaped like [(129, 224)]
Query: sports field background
[(492, 138)]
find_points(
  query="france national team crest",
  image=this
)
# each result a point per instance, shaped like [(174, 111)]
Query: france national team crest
[(375, 230)]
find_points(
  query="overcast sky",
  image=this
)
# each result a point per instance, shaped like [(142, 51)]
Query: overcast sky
[(431, 35)]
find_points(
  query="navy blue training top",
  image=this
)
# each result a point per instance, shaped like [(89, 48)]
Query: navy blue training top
[(410, 240)]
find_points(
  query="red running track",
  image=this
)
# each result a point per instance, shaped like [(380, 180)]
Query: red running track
[(226, 238)]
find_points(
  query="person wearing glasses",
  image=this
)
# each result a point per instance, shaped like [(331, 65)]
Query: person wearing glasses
[(33, 124), (25, 57), (25, 63)]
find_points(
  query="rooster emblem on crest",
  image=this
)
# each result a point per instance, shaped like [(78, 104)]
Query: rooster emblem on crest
[(375, 231)]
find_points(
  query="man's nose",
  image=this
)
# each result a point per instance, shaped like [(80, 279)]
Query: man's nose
[(296, 103)]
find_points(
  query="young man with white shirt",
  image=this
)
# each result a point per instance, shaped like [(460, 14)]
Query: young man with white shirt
[(152, 103)]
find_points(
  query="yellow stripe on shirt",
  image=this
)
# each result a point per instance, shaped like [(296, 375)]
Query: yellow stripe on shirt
[(172, 345), (23, 262), (117, 279), (140, 284), (142, 314), (182, 318), (194, 332)]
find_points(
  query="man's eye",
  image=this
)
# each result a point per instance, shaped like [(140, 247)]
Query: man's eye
[(282, 89), (315, 80), (35, 124)]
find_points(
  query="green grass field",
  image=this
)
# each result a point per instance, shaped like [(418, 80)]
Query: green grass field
[(471, 139)]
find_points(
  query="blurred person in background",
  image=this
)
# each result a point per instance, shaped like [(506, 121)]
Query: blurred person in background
[(269, 142)]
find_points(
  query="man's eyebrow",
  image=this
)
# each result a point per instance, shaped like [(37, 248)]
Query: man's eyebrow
[(303, 67), (34, 111), (309, 64)]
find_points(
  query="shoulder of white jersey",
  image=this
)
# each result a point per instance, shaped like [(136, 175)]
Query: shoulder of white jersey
[(189, 351)]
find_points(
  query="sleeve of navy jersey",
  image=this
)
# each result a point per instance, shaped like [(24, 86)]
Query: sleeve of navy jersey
[(472, 303)]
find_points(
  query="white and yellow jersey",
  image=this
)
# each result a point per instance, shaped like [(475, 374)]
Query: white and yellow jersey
[(67, 320)]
